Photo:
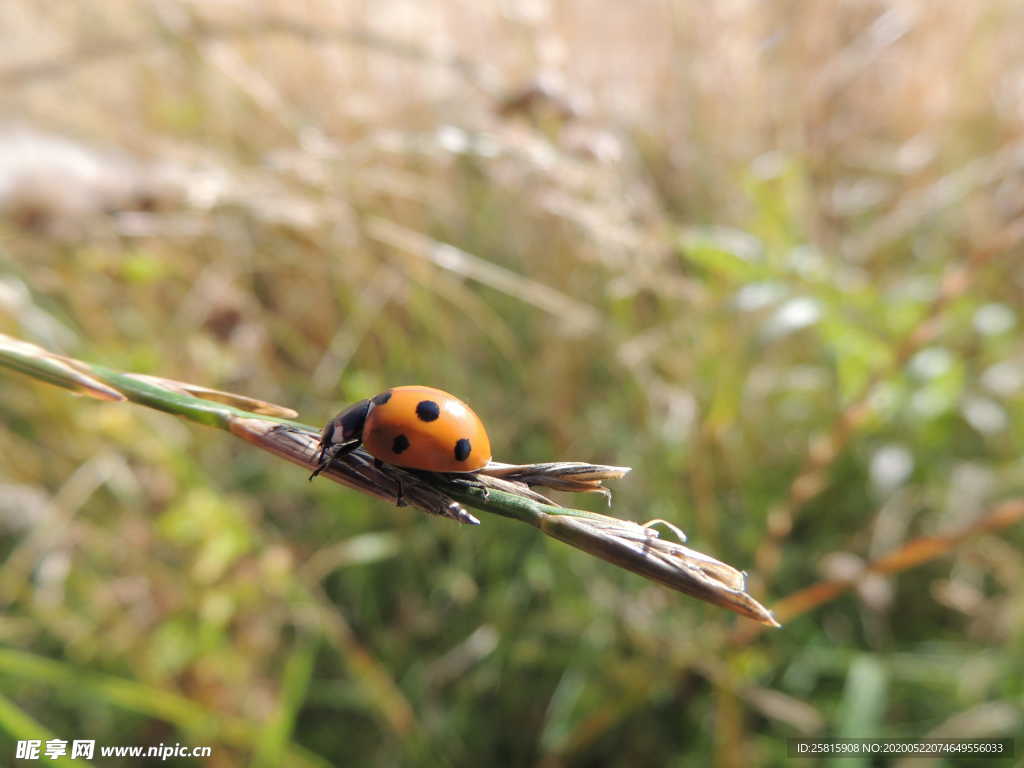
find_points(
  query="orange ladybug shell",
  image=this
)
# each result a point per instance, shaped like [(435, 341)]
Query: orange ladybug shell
[(425, 428)]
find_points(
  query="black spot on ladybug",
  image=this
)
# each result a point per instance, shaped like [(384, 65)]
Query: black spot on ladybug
[(400, 443), (462, 449), (428, 410), (382, 398)]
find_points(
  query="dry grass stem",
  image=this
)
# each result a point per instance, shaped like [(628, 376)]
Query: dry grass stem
[(639, 549), (505, 489), (912, 554), (570, 476)]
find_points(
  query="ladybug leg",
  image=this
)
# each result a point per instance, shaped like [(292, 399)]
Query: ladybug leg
[(470, 481), (326, 455), (399, 496)]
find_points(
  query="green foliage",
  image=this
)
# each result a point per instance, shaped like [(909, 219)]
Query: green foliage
[(773, 264)]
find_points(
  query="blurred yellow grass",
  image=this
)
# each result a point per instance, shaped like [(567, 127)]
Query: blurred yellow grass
[(735, 245)]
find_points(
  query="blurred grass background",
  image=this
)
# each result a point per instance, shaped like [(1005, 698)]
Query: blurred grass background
[(766, 253)]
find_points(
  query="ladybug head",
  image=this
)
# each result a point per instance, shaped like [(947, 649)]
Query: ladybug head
[(341, 435), (347, 426)]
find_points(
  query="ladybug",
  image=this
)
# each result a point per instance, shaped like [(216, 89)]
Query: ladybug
[(412, 427)]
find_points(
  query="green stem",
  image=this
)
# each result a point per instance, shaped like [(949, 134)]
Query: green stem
[(623, 543)]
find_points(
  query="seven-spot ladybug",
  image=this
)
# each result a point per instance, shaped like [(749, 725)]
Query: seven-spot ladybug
[(413, 427)]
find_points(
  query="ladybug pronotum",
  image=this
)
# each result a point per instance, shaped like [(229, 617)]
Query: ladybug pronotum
[(412, 427)]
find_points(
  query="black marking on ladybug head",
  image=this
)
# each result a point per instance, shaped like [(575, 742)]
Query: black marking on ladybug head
[(382, 398), (400, 444), (428, 410), (462, 449)]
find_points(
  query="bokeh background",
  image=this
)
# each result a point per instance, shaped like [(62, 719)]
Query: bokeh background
[(768, 254)]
